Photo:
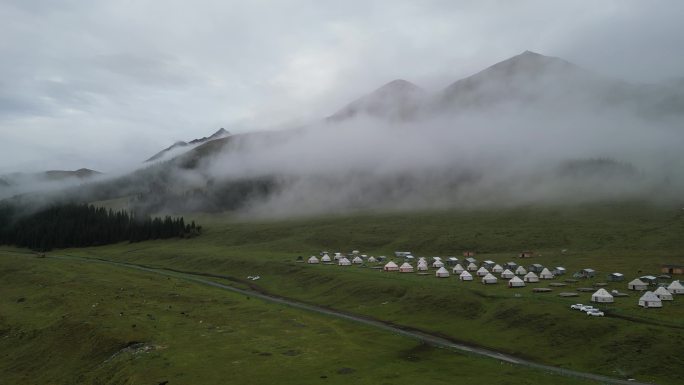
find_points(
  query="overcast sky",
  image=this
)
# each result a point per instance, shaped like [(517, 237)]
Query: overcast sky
[(106, 84)]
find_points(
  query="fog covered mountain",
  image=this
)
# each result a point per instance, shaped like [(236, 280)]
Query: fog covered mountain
[(531, 129)]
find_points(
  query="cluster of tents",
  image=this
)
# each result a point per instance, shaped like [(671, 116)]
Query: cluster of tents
[(651, 299), (517, 277)]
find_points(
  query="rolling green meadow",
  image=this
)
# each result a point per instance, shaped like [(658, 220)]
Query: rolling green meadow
[(249, 341)]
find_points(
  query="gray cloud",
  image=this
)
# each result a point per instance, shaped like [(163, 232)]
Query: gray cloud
[(106, 84)]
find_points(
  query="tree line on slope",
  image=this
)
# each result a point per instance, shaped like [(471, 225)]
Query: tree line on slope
[(82, 225)]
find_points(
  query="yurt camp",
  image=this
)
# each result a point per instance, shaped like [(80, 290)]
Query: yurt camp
[(546, 274), (312, 259), (472, 267), (465, 276), (516, 282), (531, 277), (391, 266), (326, 258), (675, 288), (422, 266), (344, 262), (602, 296), (458, 269), (372, 259), (437, 263), (650, 300), (406, 268), (442, 273), (637, 284), (663, 294), (507, 274), (481, 272), (489, 279), (520, 271), (497, 269), (357, 260)]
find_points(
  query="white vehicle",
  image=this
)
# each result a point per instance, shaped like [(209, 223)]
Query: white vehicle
[(595, 313), (576, 306), (587, 308)]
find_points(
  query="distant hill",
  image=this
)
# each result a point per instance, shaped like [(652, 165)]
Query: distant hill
[(397, 100), (179, 146), (81, 173)]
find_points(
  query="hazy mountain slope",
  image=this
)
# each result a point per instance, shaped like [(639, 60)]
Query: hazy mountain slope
[(396, 100), (181, 146)]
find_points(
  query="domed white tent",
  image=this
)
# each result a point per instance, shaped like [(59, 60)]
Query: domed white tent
[(472, 267), (650, 300), (497, 269), (406, 268), (458, 269), (520, 271), (442, 273), (422, 266), (326, 258), (344, 262), (391, 266), (546, 274), (312, 259), (676, 288), (438, 263), (602, 295), (372, 259), (663, 294), (637, 284), (481, 272), (516, 282), (507, 274), (355, 252), (357, 260), (531, 277), (465, 276), (488, 279)]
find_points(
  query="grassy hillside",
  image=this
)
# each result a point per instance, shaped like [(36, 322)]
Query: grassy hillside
[(67, 322), (631, 238)]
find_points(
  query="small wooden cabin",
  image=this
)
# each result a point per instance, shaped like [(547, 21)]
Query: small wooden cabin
[(672, 269)]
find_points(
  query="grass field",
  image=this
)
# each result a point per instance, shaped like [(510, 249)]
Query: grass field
[(631, 238), (66, 322)]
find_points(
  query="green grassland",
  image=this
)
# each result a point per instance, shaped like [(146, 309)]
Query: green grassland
[(70, 322), (632, 238)]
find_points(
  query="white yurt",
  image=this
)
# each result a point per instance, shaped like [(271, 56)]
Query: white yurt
[(437, 264), (676, 288), (372, 260), (406, 268), (488, 279), (355, 252), (546, 274), (472, 267), (465, 276), (312, 259), (481, 272), (602, 295), (458, 269), (357, 260), (663, 294), (531, 277), (507, 274), (442, 273), (422, 266), (650, 300), (391, 266), (516, 282), (637, 284), (497, 269), (325, 255), (337, 256), (437, 258), (325, 258), (344, 262), (520, 271)]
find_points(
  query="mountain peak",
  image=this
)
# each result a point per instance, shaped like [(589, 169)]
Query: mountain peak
[(398, 99), (174, 148)]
